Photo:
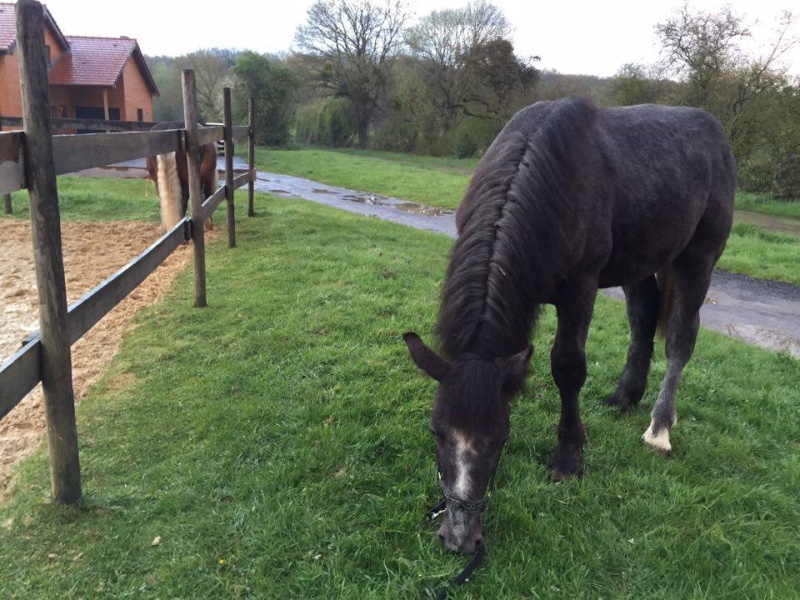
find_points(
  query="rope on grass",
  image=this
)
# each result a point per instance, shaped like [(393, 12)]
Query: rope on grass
[(474, 563)]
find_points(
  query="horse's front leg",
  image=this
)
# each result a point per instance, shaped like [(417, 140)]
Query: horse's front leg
[(574, 305)]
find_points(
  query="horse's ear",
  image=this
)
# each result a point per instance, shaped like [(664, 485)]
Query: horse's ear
[(515, 370), (425, 358)]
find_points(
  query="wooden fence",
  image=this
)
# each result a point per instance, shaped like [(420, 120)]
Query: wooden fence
[(31, 159)]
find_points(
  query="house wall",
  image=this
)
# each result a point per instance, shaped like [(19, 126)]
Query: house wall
[(10, 91), (136, 94), (10, 95)]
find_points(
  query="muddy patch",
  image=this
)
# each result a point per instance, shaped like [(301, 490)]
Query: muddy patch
[(785, 225), (92, 252)]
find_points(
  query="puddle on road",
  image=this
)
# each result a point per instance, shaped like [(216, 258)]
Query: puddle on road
[(765, 337), (407, 207)]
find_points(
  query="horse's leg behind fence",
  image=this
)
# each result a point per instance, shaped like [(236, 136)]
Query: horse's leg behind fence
[(169, 190)]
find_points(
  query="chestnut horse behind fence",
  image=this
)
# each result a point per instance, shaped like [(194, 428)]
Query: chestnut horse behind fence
[(170, 174)]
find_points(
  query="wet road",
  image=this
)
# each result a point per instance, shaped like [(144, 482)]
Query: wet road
[(759, 312)]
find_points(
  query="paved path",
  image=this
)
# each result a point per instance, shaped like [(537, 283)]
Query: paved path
[(760, 312)]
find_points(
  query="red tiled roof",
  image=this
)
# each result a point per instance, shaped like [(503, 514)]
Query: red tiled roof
[(92, 61), (8, 27), (87, 61)]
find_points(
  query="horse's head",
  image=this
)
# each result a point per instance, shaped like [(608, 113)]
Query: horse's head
[(470, 421)]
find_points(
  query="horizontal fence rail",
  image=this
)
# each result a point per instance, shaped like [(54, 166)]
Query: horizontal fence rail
[(19, 375), (62, 123), (32, 159), (77, 152), (21, 372)]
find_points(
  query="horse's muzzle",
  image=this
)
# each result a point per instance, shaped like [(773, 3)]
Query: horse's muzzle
[(461, 533)]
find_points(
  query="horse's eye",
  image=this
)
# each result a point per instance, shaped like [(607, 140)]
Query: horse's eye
[(437, 434)]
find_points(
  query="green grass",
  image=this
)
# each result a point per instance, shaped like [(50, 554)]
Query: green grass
[(419, 179), (277, 444), (764, 204), (750, 250), (759, 253), (97, 199), (331, 167)]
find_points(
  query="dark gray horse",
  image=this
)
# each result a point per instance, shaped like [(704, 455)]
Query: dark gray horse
[(568, 199)]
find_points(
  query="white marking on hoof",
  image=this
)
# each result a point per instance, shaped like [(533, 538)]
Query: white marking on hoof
[(659, 441)]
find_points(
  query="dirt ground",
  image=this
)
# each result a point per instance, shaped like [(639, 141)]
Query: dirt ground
[(92, 252)]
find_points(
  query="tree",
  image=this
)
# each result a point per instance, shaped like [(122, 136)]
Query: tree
[(211, 68), (703, 50), (445, 40), (168, 106), (639, 84), (469, 73), (349, 43), (273, 85)]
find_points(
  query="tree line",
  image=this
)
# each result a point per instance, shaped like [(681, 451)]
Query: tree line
[(364, 75)]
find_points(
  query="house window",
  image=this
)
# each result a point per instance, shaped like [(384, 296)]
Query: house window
[(140, 114)]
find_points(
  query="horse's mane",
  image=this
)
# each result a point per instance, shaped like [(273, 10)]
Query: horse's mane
[(514, 220)]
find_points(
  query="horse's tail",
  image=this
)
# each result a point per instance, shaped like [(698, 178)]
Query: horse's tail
[(666, 288), (169, 190)]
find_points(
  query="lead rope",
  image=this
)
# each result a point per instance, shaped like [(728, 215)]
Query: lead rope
[(439, 509), (477, 559)]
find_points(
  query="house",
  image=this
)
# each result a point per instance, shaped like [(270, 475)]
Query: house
[(90, 77)]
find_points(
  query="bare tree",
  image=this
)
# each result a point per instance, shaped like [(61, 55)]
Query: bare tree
[(350, 43), (469, 64)]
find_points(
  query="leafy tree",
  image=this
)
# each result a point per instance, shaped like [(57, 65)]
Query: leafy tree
[(639, 84), (273, 85), (211, 68), (168, 105), (746, 93), (349, 44), (467, 70)]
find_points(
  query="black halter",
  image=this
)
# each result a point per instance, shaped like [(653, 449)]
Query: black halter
[(465, 506), (459, 504)]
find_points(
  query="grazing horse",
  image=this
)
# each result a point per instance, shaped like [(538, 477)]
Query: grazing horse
[(170, 173), (570, 198)]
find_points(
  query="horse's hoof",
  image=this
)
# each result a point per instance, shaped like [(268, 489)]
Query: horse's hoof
[(617, 401), (566, 463), (658, 441)]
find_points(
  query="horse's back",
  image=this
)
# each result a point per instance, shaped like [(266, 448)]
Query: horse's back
[(671, 183), (641, 181)]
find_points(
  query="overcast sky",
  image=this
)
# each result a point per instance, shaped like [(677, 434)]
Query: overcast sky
[(588, 37)]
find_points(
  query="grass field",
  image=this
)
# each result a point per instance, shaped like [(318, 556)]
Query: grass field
[(441, 182), (275, 445), (97, 199)]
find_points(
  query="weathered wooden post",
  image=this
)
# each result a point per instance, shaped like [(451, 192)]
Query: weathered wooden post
[(59, 397), (228, 122), (195, 189), (251, 155), (7, 203)]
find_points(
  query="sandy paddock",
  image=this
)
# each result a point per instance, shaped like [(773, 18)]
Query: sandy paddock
[(92, 252)]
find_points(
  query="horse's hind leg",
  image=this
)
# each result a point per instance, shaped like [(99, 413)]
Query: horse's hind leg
[(642, 301), (691, 278)]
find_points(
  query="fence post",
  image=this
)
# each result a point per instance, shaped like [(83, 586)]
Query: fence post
[(59, 397), (7, 203), (195, 189), (228, 122), (251, 155)]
